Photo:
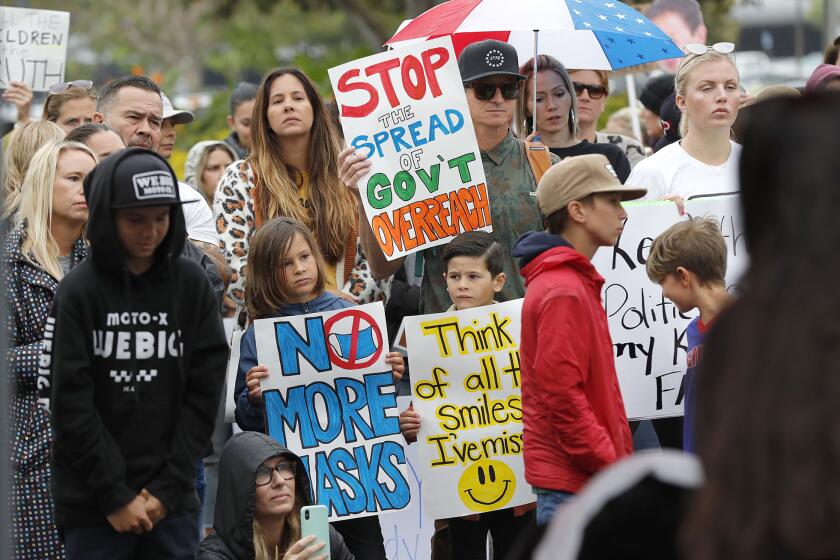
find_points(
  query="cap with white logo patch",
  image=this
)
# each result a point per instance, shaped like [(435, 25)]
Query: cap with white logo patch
[(144, 178)]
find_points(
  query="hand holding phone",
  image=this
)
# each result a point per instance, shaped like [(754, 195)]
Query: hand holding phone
[(314, 523)]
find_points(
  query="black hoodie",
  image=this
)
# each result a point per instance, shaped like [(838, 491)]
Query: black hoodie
[(233, 521), (133, 406)]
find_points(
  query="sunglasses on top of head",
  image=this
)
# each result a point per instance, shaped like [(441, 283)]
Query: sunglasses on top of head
[(485, 91), (595, 91), (61, 87), (700, 49)]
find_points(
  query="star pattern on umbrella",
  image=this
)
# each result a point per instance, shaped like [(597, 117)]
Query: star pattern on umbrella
[(640, 41)]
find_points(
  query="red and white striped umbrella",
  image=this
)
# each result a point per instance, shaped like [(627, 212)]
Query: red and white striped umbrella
[(592, 34)]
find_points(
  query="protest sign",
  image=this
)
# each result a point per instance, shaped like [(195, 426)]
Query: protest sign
[(330, 398), (648, 332), (466, 387), (33, 46), (407, 112)]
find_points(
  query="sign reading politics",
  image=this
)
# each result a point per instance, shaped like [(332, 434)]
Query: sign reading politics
[(406, 111), (331, 399), (647, 329), (466, 388), (33, 46)]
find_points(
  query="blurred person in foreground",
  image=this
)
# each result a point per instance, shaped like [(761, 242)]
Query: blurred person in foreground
[(771, 467)]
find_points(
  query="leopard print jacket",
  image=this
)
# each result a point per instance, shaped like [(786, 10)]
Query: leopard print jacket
[(234, 211)]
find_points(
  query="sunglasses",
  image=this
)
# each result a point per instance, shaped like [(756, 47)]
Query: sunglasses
[(699, 48), (485, 91), (285, 469), (61, 87), (595, 91)]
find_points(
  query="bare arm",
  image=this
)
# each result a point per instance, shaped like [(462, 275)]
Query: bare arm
[(351, 168)]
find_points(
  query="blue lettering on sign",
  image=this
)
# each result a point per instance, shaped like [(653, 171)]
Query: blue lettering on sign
[(360, 471), (418, 132), (347, 480), (291, 346)]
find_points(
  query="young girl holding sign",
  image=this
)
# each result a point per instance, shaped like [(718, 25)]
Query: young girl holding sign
[(474, 276), (286, 277)]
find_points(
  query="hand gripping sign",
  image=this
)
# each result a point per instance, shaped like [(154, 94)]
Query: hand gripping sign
[(407, 112), (330, 398), (466, 387)]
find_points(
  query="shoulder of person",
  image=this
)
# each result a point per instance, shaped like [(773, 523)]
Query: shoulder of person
[(82, 280), (188, 270), (213, 547)]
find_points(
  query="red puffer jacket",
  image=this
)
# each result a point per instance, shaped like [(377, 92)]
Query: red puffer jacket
[(574, 417)]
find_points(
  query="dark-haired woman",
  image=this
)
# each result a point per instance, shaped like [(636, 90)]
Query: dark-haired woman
[(766, 415), (557, 115), (292, 171)]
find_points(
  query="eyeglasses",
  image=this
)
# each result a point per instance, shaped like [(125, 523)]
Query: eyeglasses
[(485, 91), (285, 469), (699, 48), (595, 91), (61, 87)]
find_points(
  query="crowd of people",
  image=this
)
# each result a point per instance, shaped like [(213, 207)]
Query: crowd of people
[(119, 275)]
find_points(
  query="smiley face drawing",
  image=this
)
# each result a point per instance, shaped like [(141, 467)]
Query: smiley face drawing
[(486, 485)]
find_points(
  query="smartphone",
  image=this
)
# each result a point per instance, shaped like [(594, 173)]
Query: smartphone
[(313, 521)]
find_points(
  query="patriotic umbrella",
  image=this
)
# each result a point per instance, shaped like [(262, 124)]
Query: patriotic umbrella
[(590, 34)]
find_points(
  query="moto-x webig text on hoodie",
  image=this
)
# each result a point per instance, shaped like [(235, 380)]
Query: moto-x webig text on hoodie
[(134, 365)]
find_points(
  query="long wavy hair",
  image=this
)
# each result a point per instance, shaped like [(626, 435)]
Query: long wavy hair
[(332, 212), (767, 422), (24, 141), (39, 246)]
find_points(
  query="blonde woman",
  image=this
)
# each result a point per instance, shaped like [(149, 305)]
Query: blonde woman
[(262, 486), (45, 244), (292, 171), (24, 141), (705, 161)]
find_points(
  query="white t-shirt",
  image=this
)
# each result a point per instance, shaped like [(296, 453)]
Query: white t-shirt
[(199, 217), (672, 171)]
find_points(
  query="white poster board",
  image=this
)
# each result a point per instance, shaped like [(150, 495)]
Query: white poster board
[(648, 332), (466, 387), (33, 46), (330, 398), (407, 112)]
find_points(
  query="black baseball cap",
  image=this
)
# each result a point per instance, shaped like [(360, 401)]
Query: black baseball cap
[(657, 90), (143, 178), (488, 58)]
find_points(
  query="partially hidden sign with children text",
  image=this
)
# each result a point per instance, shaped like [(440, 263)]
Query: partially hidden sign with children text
[(466, 387), (648, 332), (331, 399), (407, 112), (33, 46)]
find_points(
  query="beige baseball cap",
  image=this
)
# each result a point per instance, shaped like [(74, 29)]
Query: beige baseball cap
[(577, 177)]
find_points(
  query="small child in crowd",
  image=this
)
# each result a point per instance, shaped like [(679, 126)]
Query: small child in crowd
[(137, 353), (286, 277), (473, 264), (689, 261)]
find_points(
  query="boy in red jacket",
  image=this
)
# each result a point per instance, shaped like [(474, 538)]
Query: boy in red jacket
[(574, 422)]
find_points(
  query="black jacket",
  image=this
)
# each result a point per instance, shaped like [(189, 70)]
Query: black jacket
[(233, 522), (135, 367)]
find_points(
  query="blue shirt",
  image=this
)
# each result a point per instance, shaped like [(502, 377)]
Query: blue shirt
[(695, 332)]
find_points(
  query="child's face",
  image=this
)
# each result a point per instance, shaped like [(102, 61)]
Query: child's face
[(677, 288), (299, 270), (605, 218), (470, 284), (141, 230)]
